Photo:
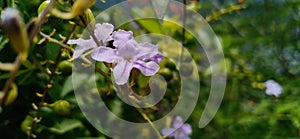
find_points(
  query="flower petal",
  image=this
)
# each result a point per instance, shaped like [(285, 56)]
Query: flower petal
[(168, 132), (103, 31), (121, 36), (148, 51), (157, 58), (177, 123), (148, 69), (186, 129), (104, 54), (122, 72), (128, 50), (273, 88), (82, 46)]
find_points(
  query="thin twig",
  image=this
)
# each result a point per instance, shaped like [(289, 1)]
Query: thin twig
[(18, 61), (56, 42), (41, 20), (135, 103), (12, 76), (91, 32), (183, 32), (49, 83), (144, 115)]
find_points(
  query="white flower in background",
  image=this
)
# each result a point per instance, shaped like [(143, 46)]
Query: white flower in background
[(273, 88)]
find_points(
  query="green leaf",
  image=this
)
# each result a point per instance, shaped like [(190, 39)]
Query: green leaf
[(52, 51), (69, 84), (3, 42), (65, 126), (151, 25)]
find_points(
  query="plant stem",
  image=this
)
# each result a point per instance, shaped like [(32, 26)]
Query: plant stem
[(41, 20), (90, 31), (128, 92), (144, 115), (18, 60), (183, 32), (12, 76), (57, 42), (49, 83)]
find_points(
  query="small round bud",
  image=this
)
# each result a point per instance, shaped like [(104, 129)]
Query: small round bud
[(61, 107), (65, 67), (26, 124)]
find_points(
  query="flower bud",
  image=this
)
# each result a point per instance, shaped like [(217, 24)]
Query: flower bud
[(26, 124), (65, 67), (42, 7), (61, 107), (89, 18), (80, 6), (15, 29), (11, 96)]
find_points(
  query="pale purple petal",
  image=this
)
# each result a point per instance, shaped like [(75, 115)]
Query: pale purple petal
[(122, 72), (157, 58), (121, 36), (150, 46), (177, 123), (169, 132), (186, 129), (151, 56), (148, 69), (82, 46), (104, 54), (148, 51), (128, 50), (273, 88), (103, 32), (182, 130)]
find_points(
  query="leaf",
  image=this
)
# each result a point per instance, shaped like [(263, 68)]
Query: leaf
[(151, 25), (65, 126), (3, 42), (52, 51), (7, 74), (70, 84)]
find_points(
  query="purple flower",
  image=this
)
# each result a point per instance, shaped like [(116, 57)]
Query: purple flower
[(179, 130), (127, 55), (102, 32), (273, 88)]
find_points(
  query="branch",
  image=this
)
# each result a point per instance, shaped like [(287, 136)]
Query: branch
[(12, 76), (56, 42), (48, 86)]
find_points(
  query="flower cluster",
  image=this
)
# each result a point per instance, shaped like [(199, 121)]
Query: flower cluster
[(179, 130), (273, 88), (126, 55)]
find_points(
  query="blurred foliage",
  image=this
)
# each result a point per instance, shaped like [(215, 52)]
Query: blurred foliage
[(260, 42)]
